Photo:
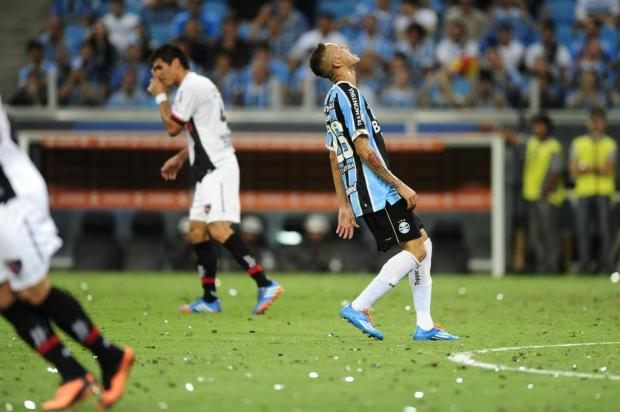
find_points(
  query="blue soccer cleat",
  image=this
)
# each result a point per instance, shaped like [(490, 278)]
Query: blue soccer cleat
[(267, 296), (361, 320), (432, 334), (202, 306)]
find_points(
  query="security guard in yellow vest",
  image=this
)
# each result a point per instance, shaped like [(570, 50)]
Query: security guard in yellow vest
[(544, 192), (592, 166)]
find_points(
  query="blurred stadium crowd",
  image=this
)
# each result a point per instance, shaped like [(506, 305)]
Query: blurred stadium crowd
[(414, 53)]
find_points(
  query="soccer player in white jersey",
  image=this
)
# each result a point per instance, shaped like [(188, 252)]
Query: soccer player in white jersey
[(28, 300), (198, 108), (367, 189)]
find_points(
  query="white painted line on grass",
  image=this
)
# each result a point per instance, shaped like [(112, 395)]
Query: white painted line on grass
[(467, 358)]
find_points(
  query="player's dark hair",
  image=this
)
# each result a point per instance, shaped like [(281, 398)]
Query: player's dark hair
[(545, 119), (168, 53), (598, 112), (316, 61), (417, 28)]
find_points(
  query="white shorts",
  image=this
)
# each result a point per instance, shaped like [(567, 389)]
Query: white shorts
[(216, 197), (28, 240)]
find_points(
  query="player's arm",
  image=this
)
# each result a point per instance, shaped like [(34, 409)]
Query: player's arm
[(370, 158), (575, 167), (346, 218), (171, 168), (159, 91)]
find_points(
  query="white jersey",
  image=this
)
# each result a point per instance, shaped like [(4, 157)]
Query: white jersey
[(198, 105), (28, 235), (18, 175)]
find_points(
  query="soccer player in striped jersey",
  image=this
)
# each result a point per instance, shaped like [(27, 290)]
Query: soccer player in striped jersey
[(29, 301), (367, 189)]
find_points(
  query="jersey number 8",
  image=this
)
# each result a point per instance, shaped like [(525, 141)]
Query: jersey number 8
[(339, 142)]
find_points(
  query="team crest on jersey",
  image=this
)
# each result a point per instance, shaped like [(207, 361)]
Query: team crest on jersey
[(14, 266), (207, 209), (403, 227)]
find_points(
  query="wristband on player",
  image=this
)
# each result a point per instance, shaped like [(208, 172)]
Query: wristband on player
[(161, 97)]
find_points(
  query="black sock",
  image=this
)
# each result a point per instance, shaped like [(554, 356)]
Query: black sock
[(69, 315), (206, 257), (237, 247), (36, 331)]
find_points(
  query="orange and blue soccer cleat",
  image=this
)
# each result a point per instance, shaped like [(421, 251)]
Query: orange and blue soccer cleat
[(71, 393), (267, 296), (118, 381), (361, 319)]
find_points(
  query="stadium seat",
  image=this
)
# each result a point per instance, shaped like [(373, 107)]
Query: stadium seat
[(561, 11), (147, 249), (450, 252), (96, 248), (564, 34)]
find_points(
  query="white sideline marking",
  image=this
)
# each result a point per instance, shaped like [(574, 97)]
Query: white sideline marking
[(466, 358)]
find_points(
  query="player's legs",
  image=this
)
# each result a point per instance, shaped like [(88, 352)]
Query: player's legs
[(206, 259), (268, 290), (422, 286), (35, 330), (420, 279), (221, 232), (69, 315)]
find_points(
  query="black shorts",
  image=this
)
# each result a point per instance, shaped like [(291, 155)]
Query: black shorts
[(393, 225)]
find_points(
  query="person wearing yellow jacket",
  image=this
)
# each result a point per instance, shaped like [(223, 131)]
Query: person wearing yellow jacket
[(544, 192), (592, 166), (542, 189)]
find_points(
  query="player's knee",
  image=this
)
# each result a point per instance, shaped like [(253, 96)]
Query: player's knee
[(416, 248), (198, 233), (35, 295), (6, 296), (220, 231)]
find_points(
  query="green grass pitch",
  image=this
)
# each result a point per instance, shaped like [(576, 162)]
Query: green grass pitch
[(237, 362)]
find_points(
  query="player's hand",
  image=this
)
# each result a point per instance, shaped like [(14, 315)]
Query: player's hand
[(156, 87), (410, 196), (346, 223), (171, 168)]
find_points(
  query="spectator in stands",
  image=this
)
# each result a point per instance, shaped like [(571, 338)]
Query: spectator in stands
[(105, 53), (209, 21), (400, 92), (238, 49), (593, 59), (257, 92), (199, 50), (551, 89), (510, 49), (130, 95), (281, 24), (456, 46), (38, 65), (383, 11), (121, 25), (32, 91), (593, 168), (516, 14), (370, 76), (474, 20), (371, 39), (589, 94), (556, 55), (133, 62), (52, 39), (607, 10), (226, 79), (591, 30), (83, 86), (410, 13), (157, 15), (324, 32), (418, 48), (509, 82), (487, 93)]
